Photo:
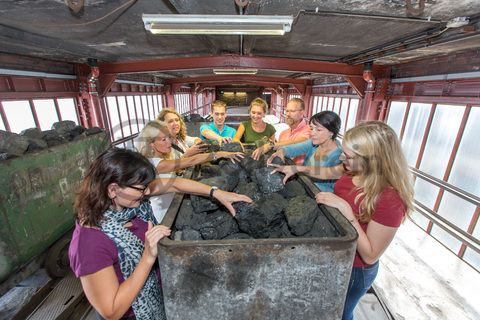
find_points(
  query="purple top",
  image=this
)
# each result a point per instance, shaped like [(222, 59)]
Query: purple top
[(92, 250)]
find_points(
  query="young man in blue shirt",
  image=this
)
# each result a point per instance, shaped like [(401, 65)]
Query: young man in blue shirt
[(217, 130)]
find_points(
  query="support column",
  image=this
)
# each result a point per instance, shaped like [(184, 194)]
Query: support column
[(169, 97), (90, 103), (370, 107), (308, 99)]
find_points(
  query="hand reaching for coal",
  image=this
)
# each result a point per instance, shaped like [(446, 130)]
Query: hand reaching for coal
[(227, 198), (195, 149), (233, 156), (288, 171), (279, 153)]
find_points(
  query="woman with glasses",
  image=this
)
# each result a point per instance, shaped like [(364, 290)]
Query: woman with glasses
[(255, 129), (114, 244), (155, 143), (322, 150), (375, 194)]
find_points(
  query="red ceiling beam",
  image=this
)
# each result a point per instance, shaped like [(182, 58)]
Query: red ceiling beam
[(235, 78), (233, 61)]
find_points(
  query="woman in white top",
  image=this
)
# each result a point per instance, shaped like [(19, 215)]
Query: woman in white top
[(154, 142), (188, 145)]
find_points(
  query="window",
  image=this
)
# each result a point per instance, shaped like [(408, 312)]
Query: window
[(46, 113), (67, 109), (415, 128), (450, 153), (19, 115), (396, 115)]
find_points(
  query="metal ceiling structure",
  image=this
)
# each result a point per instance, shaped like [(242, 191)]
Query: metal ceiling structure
[(327, 36)]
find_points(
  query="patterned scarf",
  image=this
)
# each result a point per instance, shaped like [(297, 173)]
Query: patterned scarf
[(149, 302)]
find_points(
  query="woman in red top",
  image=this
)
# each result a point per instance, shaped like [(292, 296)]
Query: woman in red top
[(375, 194)]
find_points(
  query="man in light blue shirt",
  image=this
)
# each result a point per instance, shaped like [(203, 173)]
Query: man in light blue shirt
[(217, 130)]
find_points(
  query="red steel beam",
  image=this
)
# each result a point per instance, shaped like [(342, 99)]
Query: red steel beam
[(235, 77), (234, 61)]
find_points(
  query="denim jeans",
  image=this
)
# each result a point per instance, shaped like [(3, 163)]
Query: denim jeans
[(360, 281)]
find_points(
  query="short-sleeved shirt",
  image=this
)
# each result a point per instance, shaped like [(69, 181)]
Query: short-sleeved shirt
[(250, 135), (389, 211), (91, 250), (308, 149), (161, 203), (302, 130), (227, 132)]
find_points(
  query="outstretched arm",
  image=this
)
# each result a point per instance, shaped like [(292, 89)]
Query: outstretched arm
[(239, 133), (209, 134), (322, 173), (160, 186)]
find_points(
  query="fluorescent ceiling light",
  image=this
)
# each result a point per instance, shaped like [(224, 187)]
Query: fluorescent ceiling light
[(217, 24), (235, 71)]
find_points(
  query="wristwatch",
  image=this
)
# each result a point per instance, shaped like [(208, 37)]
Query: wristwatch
[(214, 156), (212, 191)]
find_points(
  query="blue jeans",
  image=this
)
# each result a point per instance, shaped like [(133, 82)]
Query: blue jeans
[(360, 281)]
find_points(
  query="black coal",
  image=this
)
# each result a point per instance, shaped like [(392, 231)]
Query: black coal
[(278, 210)]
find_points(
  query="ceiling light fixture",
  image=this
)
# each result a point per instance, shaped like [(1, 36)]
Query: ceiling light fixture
[(235, 71), (217, 24)]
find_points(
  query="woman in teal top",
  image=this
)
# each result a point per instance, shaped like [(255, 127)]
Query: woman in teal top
[(255, 129), (321, 150)]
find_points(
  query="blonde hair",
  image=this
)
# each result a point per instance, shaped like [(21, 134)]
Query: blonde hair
[(218, 103), (183, 128), (259, 102), (383, 163), (148, 135)]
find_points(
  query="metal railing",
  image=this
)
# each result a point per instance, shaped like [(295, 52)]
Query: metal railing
[(466, 238)]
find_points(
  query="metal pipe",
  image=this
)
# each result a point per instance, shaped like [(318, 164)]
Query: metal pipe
[(139, 82), (362, 15), (440, 77), (12, 72)]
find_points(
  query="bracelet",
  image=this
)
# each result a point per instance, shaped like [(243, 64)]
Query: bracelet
[(212, 190)]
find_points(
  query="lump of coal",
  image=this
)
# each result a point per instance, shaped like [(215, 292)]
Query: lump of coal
[(76, 133), (36, 144), (278, 160), (260, 220), (64, 127), (94, 130), (232, 147), (322, 228), (236, 236), (33, 133), (301, 213), (217, 225), (203, 204), (230, 171), (211, 146), (249, 189), (53, 138), (187, 217), (267, 182), (209, 170), (293, 188), (250, 165), (12, 143)]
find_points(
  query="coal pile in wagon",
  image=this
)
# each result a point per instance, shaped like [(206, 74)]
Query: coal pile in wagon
[(278, 210)]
